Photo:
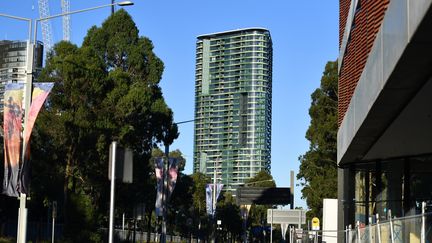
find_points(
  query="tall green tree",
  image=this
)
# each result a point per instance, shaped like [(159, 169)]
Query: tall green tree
[(318, 167), (229, 213), (107, 89), (200, 217)]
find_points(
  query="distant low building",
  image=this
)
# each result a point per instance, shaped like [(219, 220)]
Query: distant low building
[(13, 55)]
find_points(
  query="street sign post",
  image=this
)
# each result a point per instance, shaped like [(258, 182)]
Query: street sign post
[(280, 216), (315, 223)]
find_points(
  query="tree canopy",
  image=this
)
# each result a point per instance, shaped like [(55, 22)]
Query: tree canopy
[(262, 179), (318, 168), (106, 90)]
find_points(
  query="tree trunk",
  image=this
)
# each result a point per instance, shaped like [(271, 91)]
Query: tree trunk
[(67, 177)]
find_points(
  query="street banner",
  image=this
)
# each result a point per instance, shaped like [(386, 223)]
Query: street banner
[(159, 186), (209, 197), (12, 125), (172, 175), (40, 93)]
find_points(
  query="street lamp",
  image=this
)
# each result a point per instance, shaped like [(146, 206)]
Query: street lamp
[(22, 213), (171, 133)]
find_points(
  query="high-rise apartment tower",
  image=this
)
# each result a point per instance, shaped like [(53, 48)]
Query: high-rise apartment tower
[(13, 55), (233, 101)]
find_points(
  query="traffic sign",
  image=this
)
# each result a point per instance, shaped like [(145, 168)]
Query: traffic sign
[(280, 216), (315, 223)]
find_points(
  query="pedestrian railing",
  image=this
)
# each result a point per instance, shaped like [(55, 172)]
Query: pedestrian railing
[(139, 236), (416, 228)]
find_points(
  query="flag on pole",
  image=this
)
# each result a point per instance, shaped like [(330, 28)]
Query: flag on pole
[(40, 93), (12, 125), (211, 209), (159, 186), (172, 176)]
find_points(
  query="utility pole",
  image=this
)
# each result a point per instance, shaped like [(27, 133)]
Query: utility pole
[(214, 202)]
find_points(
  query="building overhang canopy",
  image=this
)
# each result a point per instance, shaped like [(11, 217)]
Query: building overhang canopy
[(390, 114)]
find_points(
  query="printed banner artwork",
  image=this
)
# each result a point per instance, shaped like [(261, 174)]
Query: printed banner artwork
[(16, 173), (172, 176), (159, 186), (40, 93), (12, 125), (172, 180), (211, 209)]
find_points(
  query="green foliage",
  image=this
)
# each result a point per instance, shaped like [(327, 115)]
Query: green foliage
[(7, 240), (229, 213), (318, 168), (107, 89), (82, 213), (257, 215), (199, 196), (262, 179), (177, 154)]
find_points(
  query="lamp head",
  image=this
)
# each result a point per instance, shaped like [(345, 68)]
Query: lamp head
[(125, 3)]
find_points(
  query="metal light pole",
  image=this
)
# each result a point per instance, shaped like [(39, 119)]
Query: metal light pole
[(111, 215), (165, 192), (22, 212), (168, 140)]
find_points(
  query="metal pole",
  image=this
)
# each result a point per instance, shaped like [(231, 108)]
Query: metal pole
[(423, 224), (291, 234), (300, 216), (22, 215), (391, 226), (346, 234), (54, 215), (214, 201), (111, 217), (123, 221), (164, 194), (358, 231), (22, 219), (378, 230), (292, 189), (52, 230), (370, 229), (349, 233), (271, 227)]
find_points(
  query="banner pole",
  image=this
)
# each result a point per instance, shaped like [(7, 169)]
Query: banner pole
[(111, 217)]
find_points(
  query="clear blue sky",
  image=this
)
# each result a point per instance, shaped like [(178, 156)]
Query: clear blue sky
[(304, 33)]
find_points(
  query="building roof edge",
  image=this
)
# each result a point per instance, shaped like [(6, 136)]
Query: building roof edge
[(230, 31)]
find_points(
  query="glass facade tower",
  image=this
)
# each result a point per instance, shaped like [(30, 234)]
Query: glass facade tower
[(13, 55), (233, 101)]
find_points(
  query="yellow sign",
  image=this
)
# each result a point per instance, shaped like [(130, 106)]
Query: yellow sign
[(315, 223)]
